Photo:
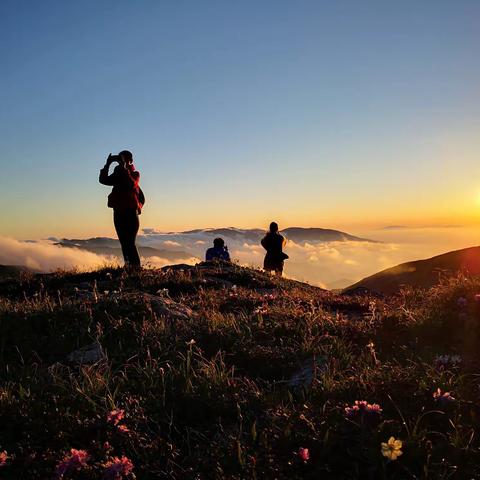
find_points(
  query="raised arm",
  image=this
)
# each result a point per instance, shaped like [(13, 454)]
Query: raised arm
[(106, 179)]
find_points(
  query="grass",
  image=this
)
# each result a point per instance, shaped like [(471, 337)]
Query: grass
[(200, 360)]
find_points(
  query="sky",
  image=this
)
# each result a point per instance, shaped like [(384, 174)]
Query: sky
[(348, 114)]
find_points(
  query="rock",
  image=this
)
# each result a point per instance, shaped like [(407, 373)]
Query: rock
[(167, 307), (180, 267), (89, 354)]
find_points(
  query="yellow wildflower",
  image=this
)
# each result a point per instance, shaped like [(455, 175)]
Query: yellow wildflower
[(392, 449)]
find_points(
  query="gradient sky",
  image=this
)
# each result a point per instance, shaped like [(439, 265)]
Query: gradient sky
[(313, 113)]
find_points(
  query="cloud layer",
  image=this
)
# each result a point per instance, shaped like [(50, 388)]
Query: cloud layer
[(328, 264), (44, 256)]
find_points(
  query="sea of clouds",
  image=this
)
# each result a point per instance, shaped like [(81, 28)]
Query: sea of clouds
[(327, 264)]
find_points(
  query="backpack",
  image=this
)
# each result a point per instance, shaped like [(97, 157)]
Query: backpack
[(141, 196)]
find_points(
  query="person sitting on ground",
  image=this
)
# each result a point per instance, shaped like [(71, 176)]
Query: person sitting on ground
[(219, 251), (273, 243)]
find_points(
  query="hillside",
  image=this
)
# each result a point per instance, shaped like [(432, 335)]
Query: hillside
[(222, 372), (422, 273), (302, 235), (12, 271)]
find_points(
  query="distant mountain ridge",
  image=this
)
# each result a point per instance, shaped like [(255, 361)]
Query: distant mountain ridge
[(296, 234), (111, 247), (300, 234), (422, 273), (173, 246)]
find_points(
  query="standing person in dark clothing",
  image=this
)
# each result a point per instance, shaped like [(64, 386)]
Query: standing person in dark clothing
[(273, 243), (219, 251), (127, 201)]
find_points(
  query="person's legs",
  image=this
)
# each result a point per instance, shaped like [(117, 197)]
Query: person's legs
[(127, 224), (119, 221), (279, 269), (133, 225)]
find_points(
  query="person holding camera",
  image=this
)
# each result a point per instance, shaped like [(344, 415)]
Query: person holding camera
[(126, 200), (219, 251)]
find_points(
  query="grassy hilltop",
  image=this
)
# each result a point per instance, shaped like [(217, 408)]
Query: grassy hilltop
[(227, 373)]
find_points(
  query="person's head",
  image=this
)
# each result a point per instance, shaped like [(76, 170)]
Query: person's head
[(219, 243), (126, 156), (273, 227)]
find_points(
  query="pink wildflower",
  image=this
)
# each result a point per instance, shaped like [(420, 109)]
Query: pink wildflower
[(304, 454), (362, 406), (118, 468), (261, 310), (352, 411), (74, 461), (115, 416), (3, 458), (373, 408), (123, 428), (444, 397)]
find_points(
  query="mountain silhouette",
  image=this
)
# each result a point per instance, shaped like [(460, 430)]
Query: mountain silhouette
[(421, 273)]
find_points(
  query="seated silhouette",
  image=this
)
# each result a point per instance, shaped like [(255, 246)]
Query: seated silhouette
[(219, 251), (273, 243), (126, 200)]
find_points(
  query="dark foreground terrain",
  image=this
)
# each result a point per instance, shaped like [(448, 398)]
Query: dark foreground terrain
[(227, 373)]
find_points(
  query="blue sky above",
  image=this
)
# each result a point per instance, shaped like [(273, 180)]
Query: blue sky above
[(309, 112)]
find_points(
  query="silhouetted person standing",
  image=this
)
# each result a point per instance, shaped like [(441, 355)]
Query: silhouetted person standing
[(127, 201), (219, 251), (273, 243)]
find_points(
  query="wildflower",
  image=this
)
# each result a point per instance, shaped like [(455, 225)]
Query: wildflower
[(261, 310), (352, 411), (74, 461), (118, 468), (373, 408), (392, 449), (462, 302), (304, 454), (363, 407), (115, 416), (3, 458), (191, 342), (443, 398), (123, 428)]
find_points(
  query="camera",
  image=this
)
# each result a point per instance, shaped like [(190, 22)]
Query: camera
[(116, 158)]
